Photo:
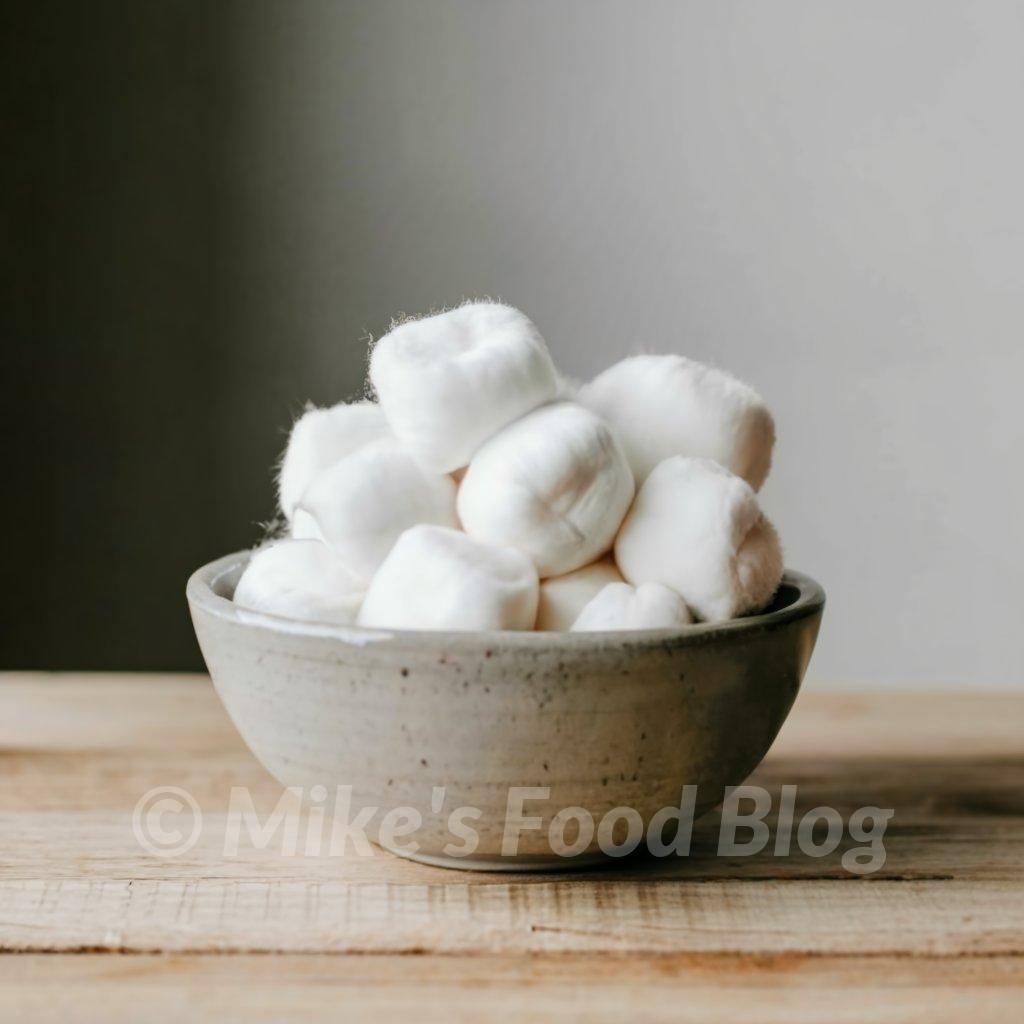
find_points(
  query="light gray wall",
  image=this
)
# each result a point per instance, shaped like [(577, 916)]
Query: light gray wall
[(209, 206), (825, 198)]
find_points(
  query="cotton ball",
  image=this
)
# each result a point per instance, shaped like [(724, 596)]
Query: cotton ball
[(554, 484), (620, 606), (668, 405), (436, 578), (698, 529), (448, 382), (566, 388), (300, 579), (759, 566), (304, 526), (562, 598), (319, 438), (362, 503)]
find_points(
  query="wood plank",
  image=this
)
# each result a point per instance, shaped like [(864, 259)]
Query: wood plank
[(39, 780), (66, 799), (79, 752), (62, 748), (73, 711), (779, 989), (102, 846), (578, 915), (962, 726)]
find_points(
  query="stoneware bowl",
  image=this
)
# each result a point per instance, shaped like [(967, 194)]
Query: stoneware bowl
[(436, 722)]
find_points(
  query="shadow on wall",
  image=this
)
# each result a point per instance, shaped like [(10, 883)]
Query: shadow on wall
[(150, 390)]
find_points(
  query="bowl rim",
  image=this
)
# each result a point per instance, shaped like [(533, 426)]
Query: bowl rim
[(201, 595)]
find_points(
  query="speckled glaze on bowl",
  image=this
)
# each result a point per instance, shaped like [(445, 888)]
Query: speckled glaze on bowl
[(605, 720)]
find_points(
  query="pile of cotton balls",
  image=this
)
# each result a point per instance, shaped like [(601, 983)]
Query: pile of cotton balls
[(480, 491)]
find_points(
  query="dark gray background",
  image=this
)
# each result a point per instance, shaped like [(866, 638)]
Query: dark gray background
[(207, 208)]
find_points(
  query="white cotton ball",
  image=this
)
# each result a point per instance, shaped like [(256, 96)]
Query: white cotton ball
[(554, 484), (300, 579), (698, 528), (448, 382), (620, 606), (437, 578), (304, 526), (318, 439), (562, 598), (566, 388), (656, 606), (668, 405), (363, 502)]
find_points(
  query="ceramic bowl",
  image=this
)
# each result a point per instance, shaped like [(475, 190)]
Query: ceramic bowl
[(434, 722)]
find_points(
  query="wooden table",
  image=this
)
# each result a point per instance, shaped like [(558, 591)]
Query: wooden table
[(106, 931)]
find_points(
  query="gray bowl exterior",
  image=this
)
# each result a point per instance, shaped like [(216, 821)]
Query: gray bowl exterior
[(605, 720)]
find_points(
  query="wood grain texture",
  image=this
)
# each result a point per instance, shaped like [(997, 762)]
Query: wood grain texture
[(566, 915), (939, 927), (774, 989)]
